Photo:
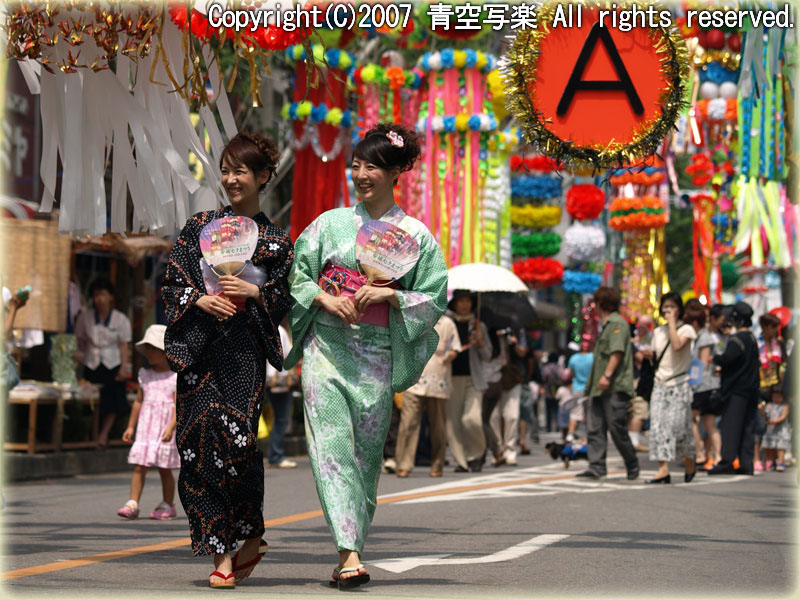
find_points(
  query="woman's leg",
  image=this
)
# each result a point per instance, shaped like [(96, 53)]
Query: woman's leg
[(167, 486), (710, 425), (698, 440), (438, 421), (281, 403), (455, 414), (137, 482), (408, 432), (510, 413)]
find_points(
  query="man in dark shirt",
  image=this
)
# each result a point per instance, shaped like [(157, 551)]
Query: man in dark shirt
[(739, 388)]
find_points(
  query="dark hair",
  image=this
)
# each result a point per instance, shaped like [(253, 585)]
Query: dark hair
[(716, 311), (607, 298), (676, 298), (768, 319), (100, 284), (695, 312), (377, 148), (256, 152), (741, 315)]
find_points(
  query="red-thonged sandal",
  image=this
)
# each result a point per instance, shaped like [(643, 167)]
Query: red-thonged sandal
[(262, 550), (227, 583)]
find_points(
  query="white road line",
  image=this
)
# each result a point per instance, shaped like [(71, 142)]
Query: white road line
[(401, 564), (545, 488)]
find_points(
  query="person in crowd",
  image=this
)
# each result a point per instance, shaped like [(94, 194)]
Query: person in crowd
[(9, 376), (610, 387), (280, 385), (644, 378), (504, 417), (580, 366), (430, 392), (465, 434), (389, 464), (352, 367), (551, 378), (528, 412), (778, 437), (493, 374), (671, 403), (772, 358), (153, 419), (104, 335), (219, 346), (739, 392), (567, 402), (702, 410)]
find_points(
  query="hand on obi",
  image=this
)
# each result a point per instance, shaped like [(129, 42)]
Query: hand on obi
[(220, 307), (340, 306), (368, 294)]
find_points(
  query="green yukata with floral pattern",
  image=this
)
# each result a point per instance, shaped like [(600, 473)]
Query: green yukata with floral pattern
[(351, 372)]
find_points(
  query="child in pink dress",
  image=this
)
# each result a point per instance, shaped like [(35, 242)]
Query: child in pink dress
[(153, 416)]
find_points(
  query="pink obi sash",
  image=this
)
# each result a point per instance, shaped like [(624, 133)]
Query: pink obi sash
[(339, 281)]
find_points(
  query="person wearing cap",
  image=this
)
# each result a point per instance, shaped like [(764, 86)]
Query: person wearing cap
[(465, 435), (153, 418), (739, 387)]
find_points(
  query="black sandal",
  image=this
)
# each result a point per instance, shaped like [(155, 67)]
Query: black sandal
[(349, 582)]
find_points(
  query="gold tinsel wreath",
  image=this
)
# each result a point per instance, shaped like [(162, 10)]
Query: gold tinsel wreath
[(521, 66)]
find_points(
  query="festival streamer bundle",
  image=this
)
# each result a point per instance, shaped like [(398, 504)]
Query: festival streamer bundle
[(535, 209), (456, 123), (320, 125)]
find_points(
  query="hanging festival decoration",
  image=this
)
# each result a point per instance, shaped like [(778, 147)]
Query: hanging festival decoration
[(585, 201), (637, 213), (539, 272), (535, 217), (549, 72), (456, 123), (496, 210), (319, 132), (537, 162), (584, 243), (535, 244), (644, 275), (581, 282), (132, 110)]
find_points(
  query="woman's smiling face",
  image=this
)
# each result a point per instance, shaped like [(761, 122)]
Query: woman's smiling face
[(371, 181), (240, 183)]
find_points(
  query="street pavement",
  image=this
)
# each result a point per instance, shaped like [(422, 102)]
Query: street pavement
[(509, 532)]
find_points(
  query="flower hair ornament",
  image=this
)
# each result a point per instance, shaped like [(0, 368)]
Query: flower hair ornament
[(396, 139)]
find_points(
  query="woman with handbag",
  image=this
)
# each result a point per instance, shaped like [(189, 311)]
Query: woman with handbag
[(670, 404), (702, 361)]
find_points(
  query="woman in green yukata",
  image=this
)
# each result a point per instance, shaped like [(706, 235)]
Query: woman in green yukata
[(362, 345)]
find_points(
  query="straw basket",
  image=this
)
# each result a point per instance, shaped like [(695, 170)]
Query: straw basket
[(35, 254)]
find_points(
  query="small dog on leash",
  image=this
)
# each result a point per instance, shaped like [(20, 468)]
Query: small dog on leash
[(567, 452)]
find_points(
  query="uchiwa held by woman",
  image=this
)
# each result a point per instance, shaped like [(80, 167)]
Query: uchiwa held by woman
[(360, 343), (221, 331)]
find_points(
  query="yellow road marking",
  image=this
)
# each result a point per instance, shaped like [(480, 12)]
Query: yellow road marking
[(312, 514)]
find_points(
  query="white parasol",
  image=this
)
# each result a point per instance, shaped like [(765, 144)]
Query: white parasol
[(482, 277)]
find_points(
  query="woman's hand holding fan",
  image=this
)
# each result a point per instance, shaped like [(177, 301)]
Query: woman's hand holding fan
[(228, 245)]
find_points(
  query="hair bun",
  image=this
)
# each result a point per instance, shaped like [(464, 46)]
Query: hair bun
[(380, 146)]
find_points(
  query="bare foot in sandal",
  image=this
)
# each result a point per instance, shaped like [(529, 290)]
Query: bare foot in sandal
[(246, 559)]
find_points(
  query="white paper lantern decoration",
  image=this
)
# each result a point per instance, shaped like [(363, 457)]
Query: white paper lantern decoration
[(584, 243)]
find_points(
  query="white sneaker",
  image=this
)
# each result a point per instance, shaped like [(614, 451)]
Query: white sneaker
[(389, 466), (284, 464)]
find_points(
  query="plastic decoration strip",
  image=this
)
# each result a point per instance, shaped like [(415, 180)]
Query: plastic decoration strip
[(581, 282), (644, 276), (88, 116), (535, 244), (637, 213), (535, 217)]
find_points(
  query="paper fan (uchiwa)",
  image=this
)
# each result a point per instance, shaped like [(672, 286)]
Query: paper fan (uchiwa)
[(228, 243), (384, 252)]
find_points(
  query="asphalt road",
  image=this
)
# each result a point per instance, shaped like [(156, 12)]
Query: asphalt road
[(513, 532)]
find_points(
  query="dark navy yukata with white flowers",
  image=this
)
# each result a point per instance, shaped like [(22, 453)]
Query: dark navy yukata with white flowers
[(221, 366)]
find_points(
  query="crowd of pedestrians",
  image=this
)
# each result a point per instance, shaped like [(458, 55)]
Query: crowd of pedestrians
[(698, 388)]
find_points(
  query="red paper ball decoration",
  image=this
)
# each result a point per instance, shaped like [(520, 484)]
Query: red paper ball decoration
[(735, 42), (715, 39), (539, 272), (585, 201)]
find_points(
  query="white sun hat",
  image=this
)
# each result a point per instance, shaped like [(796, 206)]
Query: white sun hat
[(153, 336)]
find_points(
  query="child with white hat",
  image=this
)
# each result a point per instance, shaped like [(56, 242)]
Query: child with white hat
[(153, 417)]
